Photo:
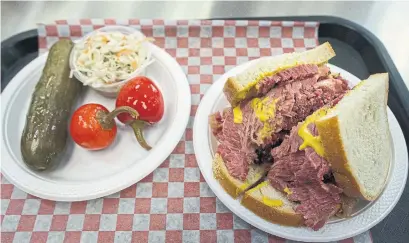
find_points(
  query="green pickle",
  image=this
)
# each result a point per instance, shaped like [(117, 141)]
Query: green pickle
[(44, 138)]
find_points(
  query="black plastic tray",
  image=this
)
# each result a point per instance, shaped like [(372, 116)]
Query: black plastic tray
[(358, 51)]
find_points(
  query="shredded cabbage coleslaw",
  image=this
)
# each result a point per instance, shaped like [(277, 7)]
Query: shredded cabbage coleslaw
[(109, 57)]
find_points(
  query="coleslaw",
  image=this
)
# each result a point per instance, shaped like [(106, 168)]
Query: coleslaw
[(109, 57)]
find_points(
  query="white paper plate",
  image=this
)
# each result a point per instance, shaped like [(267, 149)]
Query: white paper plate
[(84, 174), (367, 214)]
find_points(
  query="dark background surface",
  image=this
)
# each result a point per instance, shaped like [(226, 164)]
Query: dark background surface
[(358, 52)]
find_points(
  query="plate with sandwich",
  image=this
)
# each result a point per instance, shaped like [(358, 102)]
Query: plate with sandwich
[(300, 148)]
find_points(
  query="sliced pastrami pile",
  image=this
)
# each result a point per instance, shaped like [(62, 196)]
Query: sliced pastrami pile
[(303, 172), (297, 95), (235, 144), (290, 75), (299, 99)]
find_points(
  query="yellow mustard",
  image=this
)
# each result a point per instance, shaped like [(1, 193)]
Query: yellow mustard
[(237, 114), (264, 110), (310, 140), (266, 131), (262, 184), (247, 183), (288, 191), (244, 186), (266, 200), (241, 188), (272, 202)]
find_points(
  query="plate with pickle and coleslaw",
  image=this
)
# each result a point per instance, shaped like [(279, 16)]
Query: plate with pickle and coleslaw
[(92, 117)]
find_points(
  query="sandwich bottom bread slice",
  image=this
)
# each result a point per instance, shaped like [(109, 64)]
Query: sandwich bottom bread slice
[(272, 205), (337, 154), (234, 187)]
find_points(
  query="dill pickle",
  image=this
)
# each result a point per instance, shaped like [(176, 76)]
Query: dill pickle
[(45, 134)]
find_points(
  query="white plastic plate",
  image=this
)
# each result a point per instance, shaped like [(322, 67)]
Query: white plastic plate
[(84, 174), (366, 215)]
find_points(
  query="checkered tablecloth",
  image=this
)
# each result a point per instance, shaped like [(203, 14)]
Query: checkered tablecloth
[(174, 203)]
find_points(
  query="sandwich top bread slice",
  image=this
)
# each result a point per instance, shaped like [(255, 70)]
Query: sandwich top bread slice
[(247, 84), (356, 139)]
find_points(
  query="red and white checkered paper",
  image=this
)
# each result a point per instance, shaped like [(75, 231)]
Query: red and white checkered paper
[(174, 203)]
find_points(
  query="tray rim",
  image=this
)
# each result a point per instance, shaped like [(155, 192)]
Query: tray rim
[(402, 92), (368, 35), (383, 54)]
